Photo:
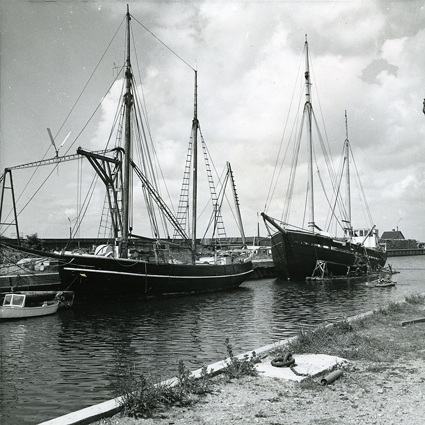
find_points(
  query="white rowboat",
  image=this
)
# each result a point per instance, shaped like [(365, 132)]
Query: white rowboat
[(15, 306)]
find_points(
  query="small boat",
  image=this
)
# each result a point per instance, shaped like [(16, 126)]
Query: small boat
[(381, 283), (21, 306), (65, 298)]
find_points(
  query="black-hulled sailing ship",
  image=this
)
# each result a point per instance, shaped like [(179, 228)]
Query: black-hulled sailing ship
[(119, 272), (298, 252)]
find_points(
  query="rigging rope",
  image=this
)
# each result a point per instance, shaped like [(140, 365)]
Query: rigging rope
[(275, 179), (290, 190), (82, 91), (172, 51), (85, 204), (361, 189)]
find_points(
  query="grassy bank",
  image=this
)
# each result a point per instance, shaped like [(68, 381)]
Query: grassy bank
[(376, 337), (383, 353)]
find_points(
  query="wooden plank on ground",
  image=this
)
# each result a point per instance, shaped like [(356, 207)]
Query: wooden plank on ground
[(409, 322)]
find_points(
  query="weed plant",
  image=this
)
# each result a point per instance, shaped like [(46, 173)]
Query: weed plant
[(204, 384), (187, 384), (236, 367), (140, 395)]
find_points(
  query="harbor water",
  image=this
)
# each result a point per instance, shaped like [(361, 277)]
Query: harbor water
[(57, 364)]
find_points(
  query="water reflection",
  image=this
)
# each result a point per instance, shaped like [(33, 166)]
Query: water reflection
[(57, 364)]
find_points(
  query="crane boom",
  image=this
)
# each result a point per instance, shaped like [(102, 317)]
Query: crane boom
[(55, 160)]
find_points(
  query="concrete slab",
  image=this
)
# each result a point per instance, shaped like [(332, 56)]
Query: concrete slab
[(307, 365)]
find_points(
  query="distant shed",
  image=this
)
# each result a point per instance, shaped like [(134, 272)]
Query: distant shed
[(394, 234), (395, 240)]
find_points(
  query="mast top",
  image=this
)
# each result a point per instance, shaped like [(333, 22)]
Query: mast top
[(307, 73), (346, 126)]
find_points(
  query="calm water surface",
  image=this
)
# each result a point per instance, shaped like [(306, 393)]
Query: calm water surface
[(55, 365)]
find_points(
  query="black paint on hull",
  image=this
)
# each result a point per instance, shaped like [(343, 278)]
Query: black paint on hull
[(95, 279), (295, 255)]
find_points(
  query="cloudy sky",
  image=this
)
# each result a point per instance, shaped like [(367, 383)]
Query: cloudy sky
[(367, 58)]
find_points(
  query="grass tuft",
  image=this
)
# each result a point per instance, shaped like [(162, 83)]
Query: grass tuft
[(415, 299), (315, 340), (391, 308), (341, 339)]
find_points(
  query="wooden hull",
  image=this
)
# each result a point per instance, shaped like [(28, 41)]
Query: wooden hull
[(263, 269), (295, 255), (97, 279), (30, 281), (11, 312)]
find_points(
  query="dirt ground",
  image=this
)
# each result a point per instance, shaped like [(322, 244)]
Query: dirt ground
[(388, 391)]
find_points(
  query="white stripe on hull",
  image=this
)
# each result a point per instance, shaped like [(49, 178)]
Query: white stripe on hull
[(144, 275)]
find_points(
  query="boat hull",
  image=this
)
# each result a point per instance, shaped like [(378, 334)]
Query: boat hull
[(34, 281), (12, 312), (94, 278), (295, 255), (37, 297)]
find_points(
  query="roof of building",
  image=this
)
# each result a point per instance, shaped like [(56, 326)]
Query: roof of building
[(394, 234)]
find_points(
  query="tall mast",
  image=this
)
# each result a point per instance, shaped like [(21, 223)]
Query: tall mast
[(195, 167), (347, 172), (128, 99), (308, 112), (236, 199)]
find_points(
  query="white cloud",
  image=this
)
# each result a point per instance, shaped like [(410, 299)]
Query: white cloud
[(248, 55)]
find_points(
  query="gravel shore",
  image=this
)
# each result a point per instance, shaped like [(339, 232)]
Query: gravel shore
[(385, 387)]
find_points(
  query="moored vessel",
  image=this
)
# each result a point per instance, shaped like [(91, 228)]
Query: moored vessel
[(24, 305), (301, 252), (120, 271)]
